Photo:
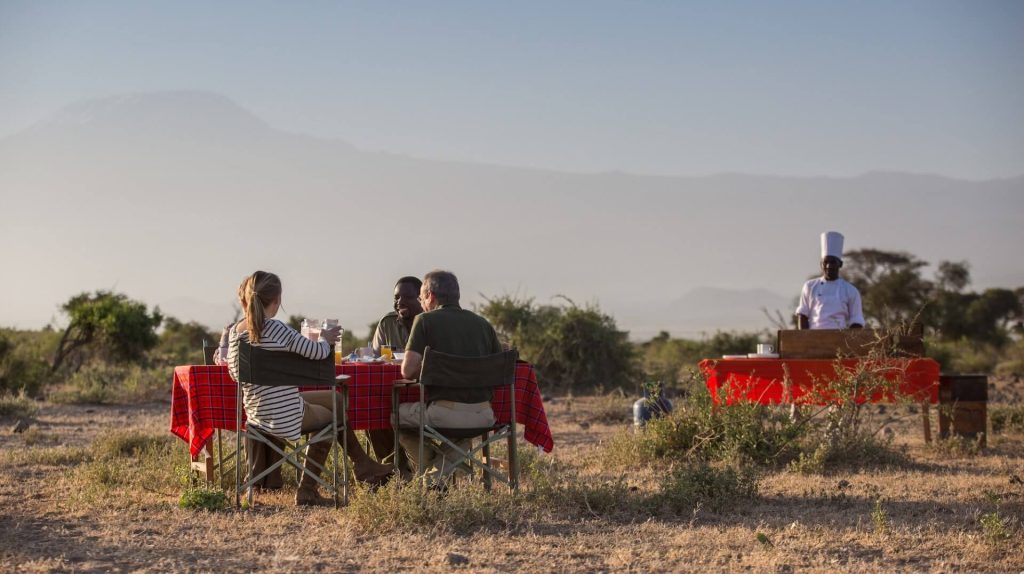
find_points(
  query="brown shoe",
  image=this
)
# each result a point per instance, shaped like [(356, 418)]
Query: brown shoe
[(372, 472), (307, 495)]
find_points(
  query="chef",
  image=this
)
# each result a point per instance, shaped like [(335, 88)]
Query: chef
[(829, 302)]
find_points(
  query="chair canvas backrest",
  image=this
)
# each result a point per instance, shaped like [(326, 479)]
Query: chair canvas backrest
[(453, 377), (282, 368)]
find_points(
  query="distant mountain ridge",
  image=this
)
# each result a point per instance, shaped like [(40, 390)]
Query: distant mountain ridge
[(175, 196)]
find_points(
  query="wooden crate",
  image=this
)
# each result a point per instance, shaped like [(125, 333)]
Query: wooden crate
[(832, 343), (963, 404)]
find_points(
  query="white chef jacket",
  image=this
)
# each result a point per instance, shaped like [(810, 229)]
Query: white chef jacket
[(830, 304)]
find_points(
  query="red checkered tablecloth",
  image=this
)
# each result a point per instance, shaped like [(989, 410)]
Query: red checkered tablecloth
[(203, 400)]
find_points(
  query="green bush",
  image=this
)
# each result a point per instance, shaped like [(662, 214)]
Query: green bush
[(573, 347), (674, 360), (963, 356), (1011, 361), (201, 497), (715, 488), (24, 360), (742, 433), (182, 343)]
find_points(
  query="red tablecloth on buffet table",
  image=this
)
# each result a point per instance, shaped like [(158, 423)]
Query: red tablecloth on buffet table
[(806, 381), (203, 400)]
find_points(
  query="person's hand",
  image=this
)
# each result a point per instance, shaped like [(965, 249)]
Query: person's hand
[(331, 334)]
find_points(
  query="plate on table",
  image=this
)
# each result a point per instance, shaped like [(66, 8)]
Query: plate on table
[(763, 356), (734, 356), (399, 356)]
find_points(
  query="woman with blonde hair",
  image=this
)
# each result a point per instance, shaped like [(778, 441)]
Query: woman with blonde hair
[(284, 411)]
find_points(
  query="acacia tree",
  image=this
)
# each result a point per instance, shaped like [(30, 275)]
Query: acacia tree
[(108, 324), (893, 292), (890, 284)]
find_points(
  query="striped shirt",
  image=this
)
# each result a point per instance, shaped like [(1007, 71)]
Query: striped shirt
[(276, 410)]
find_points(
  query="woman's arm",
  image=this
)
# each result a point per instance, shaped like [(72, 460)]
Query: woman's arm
[(277, 335)]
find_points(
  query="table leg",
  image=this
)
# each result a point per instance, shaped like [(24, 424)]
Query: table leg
[(926, 421), (204, 465)]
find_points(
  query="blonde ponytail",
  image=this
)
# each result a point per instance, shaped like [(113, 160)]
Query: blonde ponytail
[(255, 293)]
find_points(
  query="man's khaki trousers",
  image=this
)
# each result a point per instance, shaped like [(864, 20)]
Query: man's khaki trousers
[(441, 414)]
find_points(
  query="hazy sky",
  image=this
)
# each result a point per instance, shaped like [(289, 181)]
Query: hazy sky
[(690, 88)]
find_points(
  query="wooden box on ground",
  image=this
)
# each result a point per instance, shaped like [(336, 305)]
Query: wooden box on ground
[(832, 343), (963, 400)]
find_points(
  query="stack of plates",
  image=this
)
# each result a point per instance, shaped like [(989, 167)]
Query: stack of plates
[(763, 356), (734, 356)]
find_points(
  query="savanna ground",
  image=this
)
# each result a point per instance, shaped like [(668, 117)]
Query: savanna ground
[(73, 498)]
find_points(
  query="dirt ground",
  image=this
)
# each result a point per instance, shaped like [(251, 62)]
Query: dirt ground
[(932, 513)]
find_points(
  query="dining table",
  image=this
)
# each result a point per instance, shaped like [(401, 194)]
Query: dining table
[(203, 399), (770, 381)]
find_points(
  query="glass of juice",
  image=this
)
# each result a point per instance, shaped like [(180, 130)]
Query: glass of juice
[(385, 353)]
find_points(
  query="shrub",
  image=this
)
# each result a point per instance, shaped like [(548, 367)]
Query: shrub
[(201, 497), (24, 361), (716, 488), (673, 360), (18, 406), (108, 324), (401, 505), (995, 527), (182, 343), (573, 347), (1011, 362), (963, 356), (741, 432), (851, 451), (1007, 418)]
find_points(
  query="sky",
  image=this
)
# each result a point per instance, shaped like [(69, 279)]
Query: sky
[(589, 98), (673, 88)]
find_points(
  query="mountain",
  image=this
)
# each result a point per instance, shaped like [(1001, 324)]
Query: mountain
[(705, 310), (173, 197)]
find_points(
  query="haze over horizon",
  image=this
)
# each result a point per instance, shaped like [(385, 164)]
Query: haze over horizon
[(672, 163)]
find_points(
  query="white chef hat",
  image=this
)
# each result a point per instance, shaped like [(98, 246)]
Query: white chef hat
[(832, 244)]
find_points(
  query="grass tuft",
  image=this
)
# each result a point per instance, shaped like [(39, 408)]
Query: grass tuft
[(201, 497), (706, 486), (18, 406)]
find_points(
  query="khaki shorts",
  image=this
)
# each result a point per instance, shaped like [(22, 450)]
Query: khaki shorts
[(448, 414)]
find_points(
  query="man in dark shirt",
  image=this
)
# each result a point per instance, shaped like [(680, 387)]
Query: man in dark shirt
[(393, 328), (446, 327)]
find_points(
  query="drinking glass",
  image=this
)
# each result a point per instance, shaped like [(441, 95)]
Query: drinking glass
[(385, 353), (365, 353), (311, 329)]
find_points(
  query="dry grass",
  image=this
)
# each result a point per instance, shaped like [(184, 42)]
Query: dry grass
[(97, 489)]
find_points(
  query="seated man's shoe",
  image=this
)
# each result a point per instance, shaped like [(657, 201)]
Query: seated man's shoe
[(307, 495), (372, 472)]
